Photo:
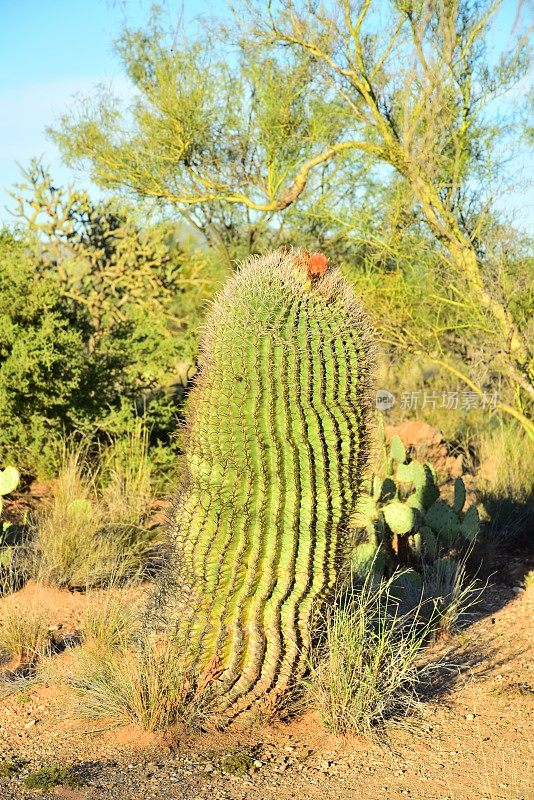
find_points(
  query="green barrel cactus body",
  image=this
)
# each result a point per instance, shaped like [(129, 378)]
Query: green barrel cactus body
[(276, 442)]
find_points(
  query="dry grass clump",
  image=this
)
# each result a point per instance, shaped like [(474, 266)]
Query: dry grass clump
[(111, 621), (144, 684), (93, 532), (115, 675), (451, 592), (24, 634), (125, 478), (366, 668), (506, 463)]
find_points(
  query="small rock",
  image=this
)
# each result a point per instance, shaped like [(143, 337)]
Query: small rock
[(470, 717), (258, 763), (30, 724)]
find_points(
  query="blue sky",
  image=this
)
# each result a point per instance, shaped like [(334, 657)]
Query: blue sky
[(50, 51)]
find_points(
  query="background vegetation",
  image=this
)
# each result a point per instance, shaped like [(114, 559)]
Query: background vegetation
[(376, 131), (382, 132)]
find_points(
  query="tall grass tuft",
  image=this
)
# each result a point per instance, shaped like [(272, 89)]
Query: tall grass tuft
[(24, 635), (365, 670), (93, 532), (506, 457), (115, 675), (451, 592), (144, 684), (125, 478), (111, 621)]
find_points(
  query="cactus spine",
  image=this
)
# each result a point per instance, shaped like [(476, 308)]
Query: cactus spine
[(276, 442)]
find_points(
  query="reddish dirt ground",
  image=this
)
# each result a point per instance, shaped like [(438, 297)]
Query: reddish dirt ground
[(473, 739)]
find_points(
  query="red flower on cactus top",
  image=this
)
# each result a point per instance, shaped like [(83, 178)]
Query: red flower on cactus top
[(315, 264)]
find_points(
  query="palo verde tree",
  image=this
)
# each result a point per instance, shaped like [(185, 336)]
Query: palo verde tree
[(314, 96), (212, 134)]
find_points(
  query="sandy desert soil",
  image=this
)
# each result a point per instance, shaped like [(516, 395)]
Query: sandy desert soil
[(473, 740)]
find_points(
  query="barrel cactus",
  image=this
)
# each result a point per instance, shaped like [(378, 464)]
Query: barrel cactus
[(276, 441)]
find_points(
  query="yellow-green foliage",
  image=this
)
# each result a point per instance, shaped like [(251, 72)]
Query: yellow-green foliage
[(506, 458)]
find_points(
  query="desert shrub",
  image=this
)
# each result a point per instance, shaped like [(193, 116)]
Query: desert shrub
[(106, 334), (365, 669), (41, 359), (9, 768), (89, 535)]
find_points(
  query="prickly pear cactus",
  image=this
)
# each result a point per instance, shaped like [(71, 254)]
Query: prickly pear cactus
[(402, 516), (9, 478), (276, 443)]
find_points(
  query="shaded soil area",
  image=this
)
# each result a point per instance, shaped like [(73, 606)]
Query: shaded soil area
[(473, 739)]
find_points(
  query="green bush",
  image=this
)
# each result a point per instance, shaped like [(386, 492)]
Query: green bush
[(98, 319), (41, 358)]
